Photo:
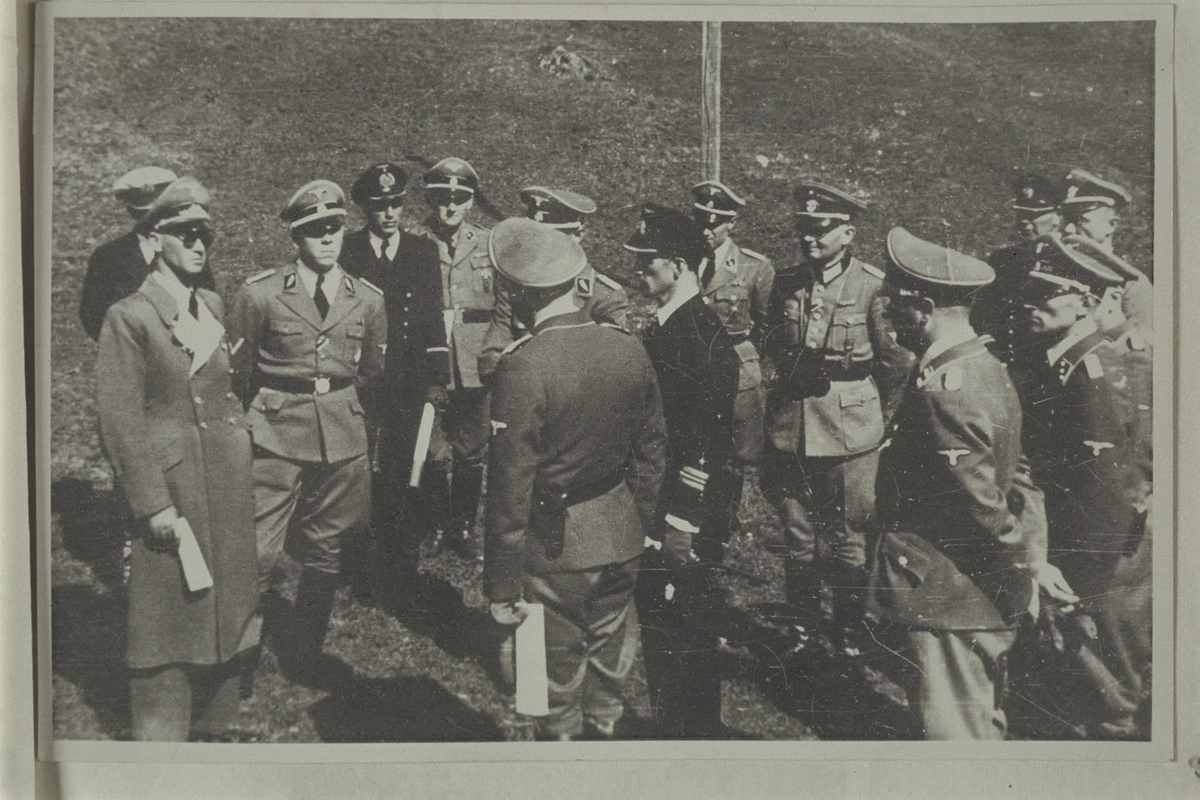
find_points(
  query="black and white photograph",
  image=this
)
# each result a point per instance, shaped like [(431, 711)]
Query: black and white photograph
[(575, 385)]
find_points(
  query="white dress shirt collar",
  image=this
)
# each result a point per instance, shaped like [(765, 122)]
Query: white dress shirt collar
[(1080, 330), (682, 295), (309, 278), (378, 242)]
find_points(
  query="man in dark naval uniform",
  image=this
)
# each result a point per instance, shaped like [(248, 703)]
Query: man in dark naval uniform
[(576, 461), (308, 349), (116, 269), (836, 367), (603, 298), (468, 295), (1087, 433), (416, 371), (954, 567), (697, 374), (997, 311)]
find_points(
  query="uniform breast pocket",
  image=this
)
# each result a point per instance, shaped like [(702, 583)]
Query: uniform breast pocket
[(848, 334), (285, 335), (728, 301), (354, 341), (862, 415), (482, 277)]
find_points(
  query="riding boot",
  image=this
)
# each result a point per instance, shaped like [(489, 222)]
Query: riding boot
[(465, 487), (310, 621)]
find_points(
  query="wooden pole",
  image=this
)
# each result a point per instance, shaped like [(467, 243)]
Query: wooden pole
[(710, 102)]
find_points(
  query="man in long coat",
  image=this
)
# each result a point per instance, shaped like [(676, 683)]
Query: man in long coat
[(178, 440)]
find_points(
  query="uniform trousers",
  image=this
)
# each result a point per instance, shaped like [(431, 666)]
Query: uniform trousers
[(317, 500), (167, 703), (591, 643), (825, 506), (953, 679)]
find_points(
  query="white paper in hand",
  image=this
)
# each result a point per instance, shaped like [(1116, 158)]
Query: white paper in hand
[(533, 689), (195, 571)]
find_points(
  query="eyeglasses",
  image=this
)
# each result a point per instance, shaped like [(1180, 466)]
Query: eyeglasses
[(319, 229), (190, 234), (448, 197), (818, 227), (709, 221)]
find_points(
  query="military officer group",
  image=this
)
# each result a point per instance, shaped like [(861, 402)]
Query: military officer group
[(959, 451)]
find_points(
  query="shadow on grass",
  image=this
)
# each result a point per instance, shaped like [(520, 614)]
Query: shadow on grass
[(88, 646), (407, 709), (94, 526)]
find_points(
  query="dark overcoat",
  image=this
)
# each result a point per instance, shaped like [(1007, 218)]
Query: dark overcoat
[(178, 439)]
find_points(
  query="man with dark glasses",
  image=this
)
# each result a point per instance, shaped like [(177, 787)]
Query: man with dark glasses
[(309, 345), (468, 294), (836, 366), (416, 370)]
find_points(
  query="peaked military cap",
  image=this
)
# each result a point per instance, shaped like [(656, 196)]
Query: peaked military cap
[(1070, 269), (184, 200), (452, 173), (533, 254), (668, 233), (923, 265), (716, 199), (380, 182), (312, 201), (1036, 194), (1114, 262), (557, 208), (138, 188), (1085, 191), (825, 202)]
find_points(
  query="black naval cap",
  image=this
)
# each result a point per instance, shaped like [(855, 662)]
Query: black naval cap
[(1085, 192), (557, 208), (1062, 268), (138, 188), (714, 203), (454, 174), (922, 268), (379, 183), (668, 233), (1035, 195), (534, 254)]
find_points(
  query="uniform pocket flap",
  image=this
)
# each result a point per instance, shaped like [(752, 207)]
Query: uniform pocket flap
[(905, 555), (169, 451), (286, 326), (356, 331), (848, 320), (355, 405), (858, 396)]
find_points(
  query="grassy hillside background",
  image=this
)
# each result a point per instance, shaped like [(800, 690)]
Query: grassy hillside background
[(930, 123)]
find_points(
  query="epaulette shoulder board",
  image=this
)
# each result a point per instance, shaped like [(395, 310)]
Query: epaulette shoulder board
[(370, 285), (614, 326), (517, 343), (607, 281), (1091, 362), (262, 276), (753, 254), (952, 378), (873, 270)]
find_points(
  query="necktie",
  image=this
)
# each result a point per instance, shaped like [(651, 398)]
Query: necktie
[(194, 306), (322, 302)]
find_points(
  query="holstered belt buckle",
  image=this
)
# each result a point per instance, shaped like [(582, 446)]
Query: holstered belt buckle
[(321, 386)]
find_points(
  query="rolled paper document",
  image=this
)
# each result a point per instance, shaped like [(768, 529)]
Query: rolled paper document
[(195, 571), (533, 689), (421, 451)]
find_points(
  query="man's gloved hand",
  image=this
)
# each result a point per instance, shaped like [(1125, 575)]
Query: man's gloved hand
[(161, 527), (507, 613)]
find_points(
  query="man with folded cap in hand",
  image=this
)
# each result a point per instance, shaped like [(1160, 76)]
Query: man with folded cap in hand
[(604, 299), (309, 344), (737, 285), (698, 376), (955, 566), (1091, 209), (997, 311), (836, 368), (179, 444), (117, 268), (576, 461), (468, 295), (416, 370), (1087, 432)]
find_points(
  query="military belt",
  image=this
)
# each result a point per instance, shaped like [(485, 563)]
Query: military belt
[(859, 370), (281, 383), (472, 316)]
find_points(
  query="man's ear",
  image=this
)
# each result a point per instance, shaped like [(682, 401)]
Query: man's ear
[(1090, 301), (678, 267), (155, 241), (925, 306), (850, 231)]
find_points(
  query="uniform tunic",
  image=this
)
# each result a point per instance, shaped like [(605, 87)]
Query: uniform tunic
[(576, 416), (945, 579), (179, 439)]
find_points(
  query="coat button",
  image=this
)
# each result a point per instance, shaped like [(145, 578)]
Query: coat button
[(204, 425), (233, 420), (903, 560), (199, 400), (231, 370), (229, 395), (408, 294)]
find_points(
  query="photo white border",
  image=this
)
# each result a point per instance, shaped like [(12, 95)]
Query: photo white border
[(1106, 756)]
